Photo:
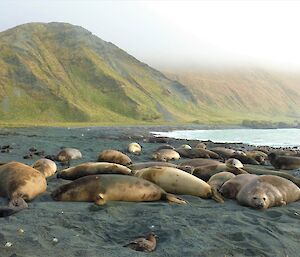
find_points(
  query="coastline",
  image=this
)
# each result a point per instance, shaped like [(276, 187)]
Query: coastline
[(201, 228)]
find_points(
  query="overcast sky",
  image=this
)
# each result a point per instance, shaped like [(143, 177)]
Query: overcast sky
[(179, 33)]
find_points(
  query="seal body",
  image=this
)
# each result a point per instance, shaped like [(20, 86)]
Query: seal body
[(284, 162), (231, 187), (114, 156), (197, 153), (223, 152), (19, 180), (103, 188), (93, 168), (134, 148), (45, 166), (216, 181), (165, 155), (68, 154), (175, 181), (268, 191)]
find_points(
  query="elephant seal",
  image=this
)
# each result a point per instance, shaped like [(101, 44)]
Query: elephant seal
[(216, 181), (93, 168), (68, 154), (201, 145), (134, 148), (165, 147), (257, 155), (143, 165), (197, 153), (241, 156), (185, 146), (165, 155), (254, 169), (114, 156), (223, 152), (231, 187), (19, 183), (231, 165), (45, 166), (284, 162), (103, 188), (268, 191), (175, 181), (199, 162)]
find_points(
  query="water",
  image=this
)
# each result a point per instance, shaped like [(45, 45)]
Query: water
[(270, 137)]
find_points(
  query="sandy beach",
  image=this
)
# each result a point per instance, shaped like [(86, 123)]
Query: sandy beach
[(200, 228)]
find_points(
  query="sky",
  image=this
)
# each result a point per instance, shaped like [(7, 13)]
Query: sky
[(179, 34)]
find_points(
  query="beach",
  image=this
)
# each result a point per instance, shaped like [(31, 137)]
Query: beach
[(200, 228)]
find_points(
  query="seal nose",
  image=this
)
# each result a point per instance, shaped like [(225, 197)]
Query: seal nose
[(259, 205)]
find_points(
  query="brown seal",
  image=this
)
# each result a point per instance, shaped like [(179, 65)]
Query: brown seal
[(45, 166), (147, 244), (241, 156), (231, 165), (199, 162), (268, 191), (114, 156), (165, 155), (68, 154), (265, 170), (231, 187), (284, 162), (216, 181), (19, 183), (197, 153), (223, 152), (93, 168), (103, 188)]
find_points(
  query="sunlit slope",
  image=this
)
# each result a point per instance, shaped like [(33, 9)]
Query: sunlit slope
[(236, 95), (58, 72)]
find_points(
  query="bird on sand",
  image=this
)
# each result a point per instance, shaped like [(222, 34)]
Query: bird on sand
[(147, 244)]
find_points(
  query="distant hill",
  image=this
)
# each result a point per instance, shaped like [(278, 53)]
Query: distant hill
[(245, 94), (57, 72), (60, 73)]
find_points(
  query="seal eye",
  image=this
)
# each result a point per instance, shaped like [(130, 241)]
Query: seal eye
[(254, 198), (264, 198)]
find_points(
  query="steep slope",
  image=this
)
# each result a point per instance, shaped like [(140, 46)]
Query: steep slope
[(248, 93), (58, 72)]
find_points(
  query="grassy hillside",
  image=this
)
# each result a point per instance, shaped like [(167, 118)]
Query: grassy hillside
[(237, 95), (54, 73), (58, 72)]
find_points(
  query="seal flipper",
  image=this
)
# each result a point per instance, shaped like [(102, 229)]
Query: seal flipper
[(173, 198), (14, 206), (217, 196)]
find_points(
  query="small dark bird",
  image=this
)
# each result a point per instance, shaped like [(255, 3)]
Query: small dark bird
[(147, 244)]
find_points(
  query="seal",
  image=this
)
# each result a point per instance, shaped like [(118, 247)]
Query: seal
[(45, 166), (175, 181), (254, 169), (134, 148), (197, 153), (231, 165), (114, 156), (68, 154), (166, 146), (267, 191), (223, 152), (103, 188), (93, 168), (241, 156), (199, 162), (216, 181), (259, 156), (185, 146), (231, 187), (201, 145), (284, 162), (165, 155), (19, 183)]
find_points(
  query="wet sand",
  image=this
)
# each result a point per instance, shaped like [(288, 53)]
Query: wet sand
[(201, 228)]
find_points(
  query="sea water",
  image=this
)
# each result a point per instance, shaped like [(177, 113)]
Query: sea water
[(271, 137)]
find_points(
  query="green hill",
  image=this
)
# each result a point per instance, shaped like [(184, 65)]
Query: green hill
[(58, 72), (244, 94), (55, 73)]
